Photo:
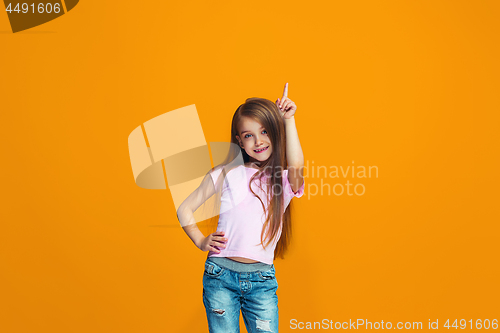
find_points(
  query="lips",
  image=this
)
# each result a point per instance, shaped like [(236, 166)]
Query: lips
[(261, 150)]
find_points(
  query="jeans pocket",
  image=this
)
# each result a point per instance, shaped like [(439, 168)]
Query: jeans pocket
[(212, 269), (267, 275)]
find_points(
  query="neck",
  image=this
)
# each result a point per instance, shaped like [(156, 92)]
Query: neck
[(252, 165)]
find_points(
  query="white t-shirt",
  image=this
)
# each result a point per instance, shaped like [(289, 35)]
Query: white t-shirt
[(241, 214)]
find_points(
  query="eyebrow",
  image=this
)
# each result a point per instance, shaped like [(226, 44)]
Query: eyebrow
[(250, 131)]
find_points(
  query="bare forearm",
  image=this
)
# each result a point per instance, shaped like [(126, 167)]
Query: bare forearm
[(188, 223), (195, 234), (294, 154)]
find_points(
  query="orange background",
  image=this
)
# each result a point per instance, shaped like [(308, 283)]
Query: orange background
[(410, 87)]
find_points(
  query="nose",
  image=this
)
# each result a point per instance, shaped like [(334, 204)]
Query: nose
[(258, 141)]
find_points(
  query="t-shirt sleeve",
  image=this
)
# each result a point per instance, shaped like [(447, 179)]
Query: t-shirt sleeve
[(287, 188), (214, 174)]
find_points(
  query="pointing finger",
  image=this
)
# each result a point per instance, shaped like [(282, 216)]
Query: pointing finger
[(285, 91)]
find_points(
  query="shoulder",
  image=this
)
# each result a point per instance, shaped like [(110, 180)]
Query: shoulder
[(229, 171)]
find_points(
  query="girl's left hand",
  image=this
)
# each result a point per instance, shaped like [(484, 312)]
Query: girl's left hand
[(286, 105)]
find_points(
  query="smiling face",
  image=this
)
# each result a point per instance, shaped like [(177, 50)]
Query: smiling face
[(254, 139)]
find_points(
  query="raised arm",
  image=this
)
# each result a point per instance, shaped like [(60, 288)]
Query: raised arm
[(294, 154)]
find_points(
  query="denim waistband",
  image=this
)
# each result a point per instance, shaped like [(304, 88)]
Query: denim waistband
[(237, 266)]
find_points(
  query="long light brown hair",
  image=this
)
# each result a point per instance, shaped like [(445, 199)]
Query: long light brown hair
[(270, 172)]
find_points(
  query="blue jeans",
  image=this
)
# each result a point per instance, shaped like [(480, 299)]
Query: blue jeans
[(227, 291)]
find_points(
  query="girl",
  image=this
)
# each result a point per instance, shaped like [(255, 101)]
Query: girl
[(239, 272)]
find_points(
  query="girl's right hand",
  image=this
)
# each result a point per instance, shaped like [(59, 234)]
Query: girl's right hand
[(210, 242)]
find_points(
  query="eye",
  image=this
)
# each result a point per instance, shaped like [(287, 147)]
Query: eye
[(247, 136), (264, 131)]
